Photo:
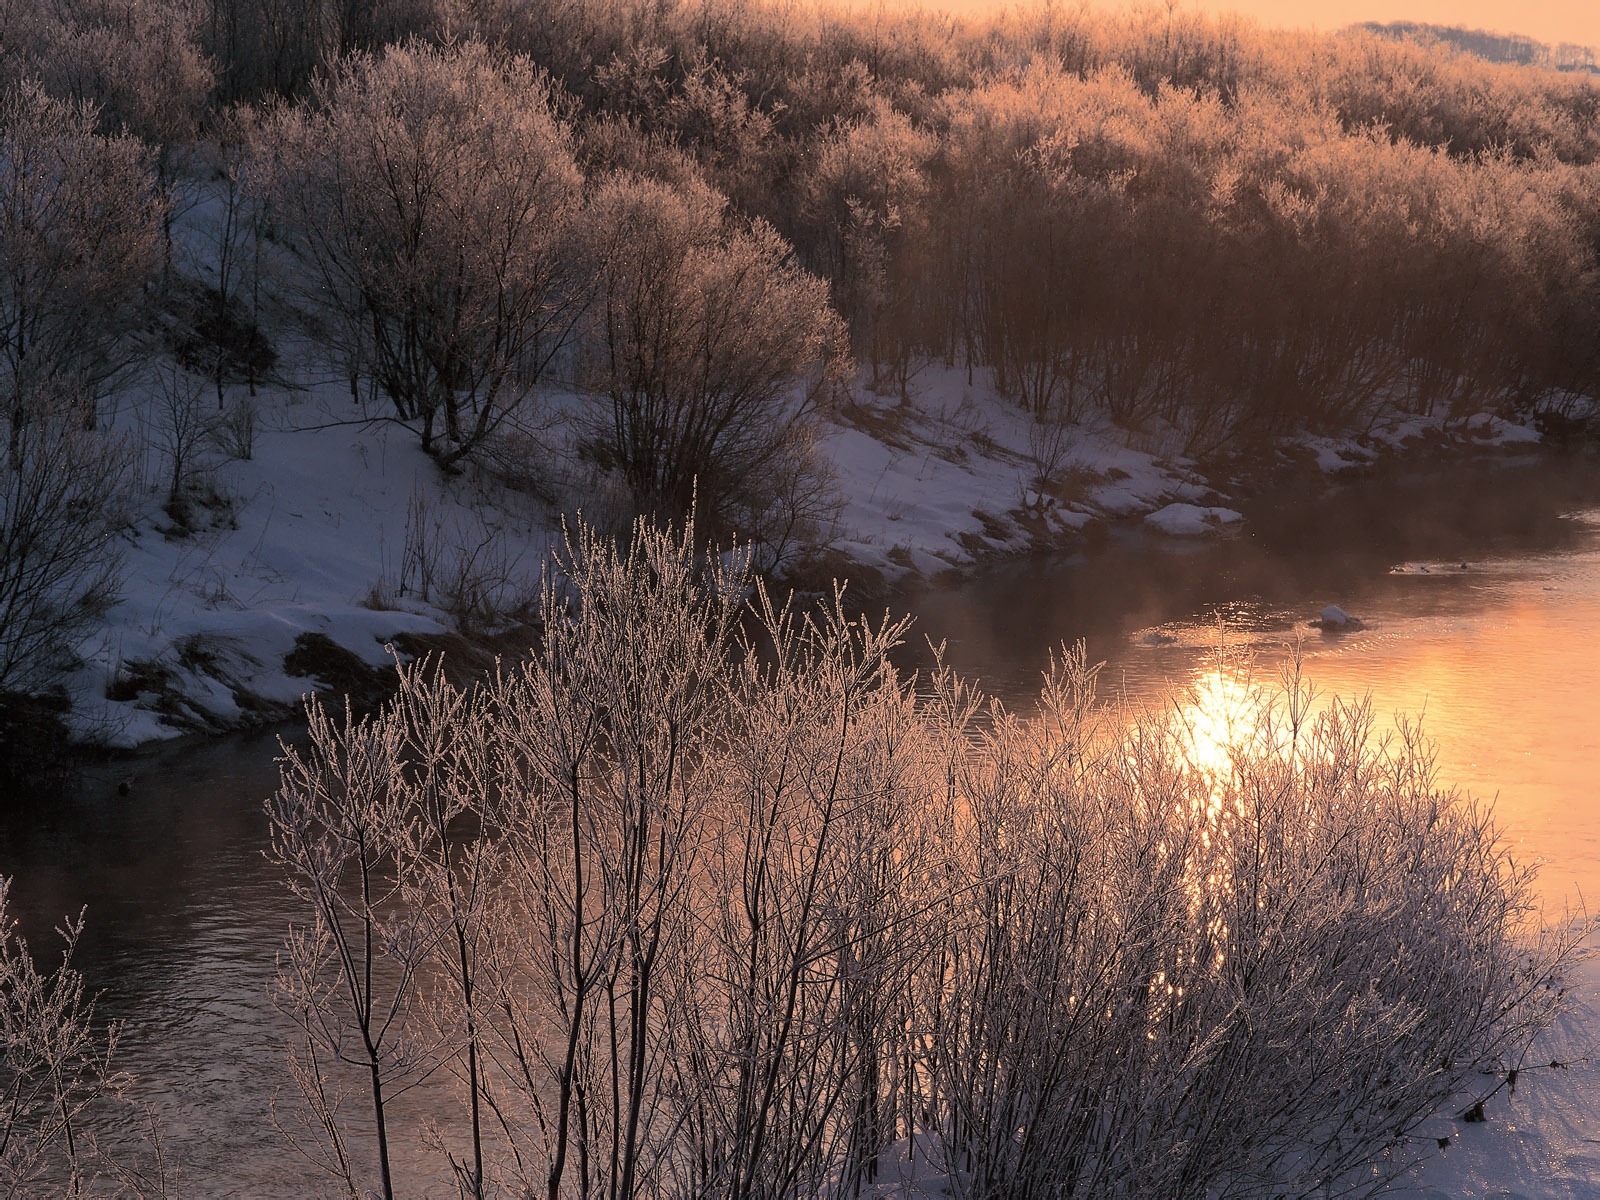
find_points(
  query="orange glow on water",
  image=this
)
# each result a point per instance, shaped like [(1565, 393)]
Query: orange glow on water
[(1505, 696), (1218, 712)]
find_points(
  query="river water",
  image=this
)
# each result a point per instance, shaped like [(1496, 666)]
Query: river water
[(1478, 587)]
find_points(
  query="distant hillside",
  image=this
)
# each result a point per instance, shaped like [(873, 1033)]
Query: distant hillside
[(1493, 47)]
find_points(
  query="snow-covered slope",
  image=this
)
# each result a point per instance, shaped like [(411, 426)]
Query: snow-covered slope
[(332, 527), (339, 525)]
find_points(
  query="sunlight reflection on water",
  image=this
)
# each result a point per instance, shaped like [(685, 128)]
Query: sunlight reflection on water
[(1214, 714), (1501, 662), (1481, 617)]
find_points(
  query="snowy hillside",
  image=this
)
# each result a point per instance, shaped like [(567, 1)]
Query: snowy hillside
[(339, 525)]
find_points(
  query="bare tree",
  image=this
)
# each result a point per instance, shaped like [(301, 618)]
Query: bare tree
[(402, 888), (136, 64), (63, 497), (182, 432), (432, 192), (821, 838), (453, 870), (269, 47), (223, 336), (707, 354), (79, 237), (349, 974), (867, 194), (599, 758)]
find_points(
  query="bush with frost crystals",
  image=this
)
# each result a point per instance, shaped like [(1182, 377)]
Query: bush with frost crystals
[(704, 359), (56, 1074), (432, 193), (80, 220), (1169, 978), (746, 908)]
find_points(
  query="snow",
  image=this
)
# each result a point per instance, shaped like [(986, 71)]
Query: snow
[(1541, 1140), (1398, 430), (1490, 430), (1333, 619), (308, 537), (1191, 520), (1334, 455), (955, 476), (318, 532), (311, 535)]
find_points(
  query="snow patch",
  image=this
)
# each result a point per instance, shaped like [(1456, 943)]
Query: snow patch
[(1486, 429), (1539, 1138), (1191, 520), (925, 484)]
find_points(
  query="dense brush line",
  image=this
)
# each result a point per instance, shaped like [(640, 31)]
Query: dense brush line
[(1158, 212), (1161, 214), (691, 217), (703, 900)]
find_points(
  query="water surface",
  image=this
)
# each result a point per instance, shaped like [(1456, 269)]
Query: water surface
[(1479, 588)]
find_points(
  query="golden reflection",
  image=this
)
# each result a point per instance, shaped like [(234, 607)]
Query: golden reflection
[(1218, 715), (1224, 714)]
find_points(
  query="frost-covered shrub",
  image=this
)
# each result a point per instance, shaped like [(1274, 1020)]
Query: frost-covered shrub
[(432, 192), (704, 358), (706, 899), (1169, 976), (56, 1075), (80, 225), (137, 64)]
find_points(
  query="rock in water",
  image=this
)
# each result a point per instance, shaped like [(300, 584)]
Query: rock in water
[(1334, 618)]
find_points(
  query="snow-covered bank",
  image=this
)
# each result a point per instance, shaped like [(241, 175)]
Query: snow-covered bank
[(340, 526), (332, 527), (960, 475), (1539, 1140)]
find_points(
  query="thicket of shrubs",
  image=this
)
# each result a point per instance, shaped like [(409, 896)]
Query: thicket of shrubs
[(1155, 215), (1161, 214), (1158, 214), (707, 899)]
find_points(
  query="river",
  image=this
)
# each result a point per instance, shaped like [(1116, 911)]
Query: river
[(1479, 591)]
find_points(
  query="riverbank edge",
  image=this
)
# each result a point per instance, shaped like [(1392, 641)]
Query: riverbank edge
[(1039, 525), (1304, 471)]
